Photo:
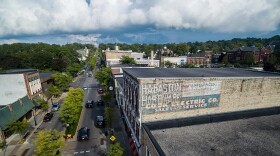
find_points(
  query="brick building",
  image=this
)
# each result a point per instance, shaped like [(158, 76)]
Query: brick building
[(260, 55), (152, 95)]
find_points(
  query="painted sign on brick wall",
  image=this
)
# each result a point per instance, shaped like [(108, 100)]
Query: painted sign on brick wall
[(163, 97)]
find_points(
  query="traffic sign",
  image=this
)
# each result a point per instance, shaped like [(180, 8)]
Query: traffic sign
[(112, 138)]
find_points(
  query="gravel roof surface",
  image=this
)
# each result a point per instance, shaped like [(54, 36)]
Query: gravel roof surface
[(254, 136)]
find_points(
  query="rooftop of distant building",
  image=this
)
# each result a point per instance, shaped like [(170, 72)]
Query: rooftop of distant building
[(195, 72), (18, 71)]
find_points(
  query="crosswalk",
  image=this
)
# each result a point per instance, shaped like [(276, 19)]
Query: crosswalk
[(81, 152)]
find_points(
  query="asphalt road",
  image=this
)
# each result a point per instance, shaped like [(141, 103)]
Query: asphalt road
[(93, 145)]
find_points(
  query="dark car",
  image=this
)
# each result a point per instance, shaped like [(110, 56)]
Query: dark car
[(100, 102), (89, 104), (89, 75), (99, 121), (48, 117), (83, 134)]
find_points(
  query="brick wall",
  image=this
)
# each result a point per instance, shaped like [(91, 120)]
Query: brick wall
[(147, 143)]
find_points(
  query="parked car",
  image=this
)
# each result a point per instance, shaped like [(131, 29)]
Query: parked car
[(100, 102), (99, 121), (83, 134), (100, 91), (85, 88), (55, 107), (89, 75), (48, 117), (89, 104)]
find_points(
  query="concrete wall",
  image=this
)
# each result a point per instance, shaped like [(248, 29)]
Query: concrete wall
[(162, 99), (175, 60), (116, 55), (12, 87)]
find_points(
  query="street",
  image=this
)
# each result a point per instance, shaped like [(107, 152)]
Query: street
[(93, 145)]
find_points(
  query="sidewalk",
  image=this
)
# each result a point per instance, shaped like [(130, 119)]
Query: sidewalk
[(119, 130), (16, 149)]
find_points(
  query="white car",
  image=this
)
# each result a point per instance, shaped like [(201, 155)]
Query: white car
[(55, 107)]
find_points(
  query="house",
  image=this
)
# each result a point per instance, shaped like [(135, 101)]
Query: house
[(114, 56), (83, 54), (259, 55), (200, 58), (181, 60), (162, 94)]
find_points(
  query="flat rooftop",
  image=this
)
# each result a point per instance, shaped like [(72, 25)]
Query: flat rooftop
[(18, 71), (195, 72), (252, 136)]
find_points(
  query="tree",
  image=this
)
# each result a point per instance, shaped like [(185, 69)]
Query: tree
[(54, 90), (115, 150), (181, 49), (48, 142), (72, 107), (19, 127), (248, 59), (103, 76), (168, 64), (62, 80), (74, 68), (187, 66), (127, 60), (108, 115), (225, 59)]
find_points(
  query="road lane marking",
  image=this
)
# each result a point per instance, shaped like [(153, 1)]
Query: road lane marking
[(87, 151), (76, 152), (82, 151)]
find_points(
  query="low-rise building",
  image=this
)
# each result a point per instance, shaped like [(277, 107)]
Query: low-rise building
[(161, 94)]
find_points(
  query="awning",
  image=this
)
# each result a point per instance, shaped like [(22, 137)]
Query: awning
[(15, 111)]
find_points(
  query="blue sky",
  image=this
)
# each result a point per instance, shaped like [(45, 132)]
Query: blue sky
[(136, 21)]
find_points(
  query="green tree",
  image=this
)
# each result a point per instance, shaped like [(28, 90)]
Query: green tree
[(127, 60), (225, 59), (72, 107), (48, 142), (187, 66), (19, 127), (74, 68), (54, 90), (103, 76), (248, 59), (106, 97), (62, 80), (108, 116), (115, 150), (181, 49), (168, 64)]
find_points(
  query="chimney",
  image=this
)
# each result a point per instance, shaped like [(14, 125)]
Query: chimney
[(116, 48)]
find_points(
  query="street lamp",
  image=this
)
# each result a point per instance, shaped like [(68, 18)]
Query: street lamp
[(35, 122)]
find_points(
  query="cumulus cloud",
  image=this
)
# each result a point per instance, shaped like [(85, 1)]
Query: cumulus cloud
[(72, 16)]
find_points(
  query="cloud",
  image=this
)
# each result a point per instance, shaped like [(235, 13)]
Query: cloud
[(79, 16), (9, 41), (92, 38)]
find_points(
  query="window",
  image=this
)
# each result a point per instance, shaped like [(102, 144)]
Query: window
[(148, 153)]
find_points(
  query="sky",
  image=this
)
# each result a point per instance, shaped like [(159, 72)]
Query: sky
[(136, 21)]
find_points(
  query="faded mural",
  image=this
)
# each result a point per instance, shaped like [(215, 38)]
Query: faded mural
[(164, 97)]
